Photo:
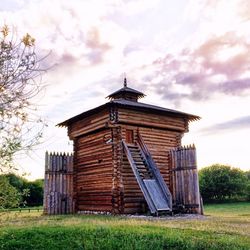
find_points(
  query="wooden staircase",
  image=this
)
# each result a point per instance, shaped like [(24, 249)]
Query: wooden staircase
[(140, 162), (152, 185)]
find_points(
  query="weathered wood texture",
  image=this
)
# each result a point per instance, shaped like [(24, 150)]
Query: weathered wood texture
[(155, 171), (103, 179), (158, 142), (58, 183), (143, 119), (117, 180), (94, 172), (151, 183), (186, 194), (88, 124), (160, 134), (133, 201)]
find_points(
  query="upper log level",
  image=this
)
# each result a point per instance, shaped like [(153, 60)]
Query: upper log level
[(124, 108)]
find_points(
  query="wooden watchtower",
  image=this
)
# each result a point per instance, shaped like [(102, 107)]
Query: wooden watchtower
[(122, 156)]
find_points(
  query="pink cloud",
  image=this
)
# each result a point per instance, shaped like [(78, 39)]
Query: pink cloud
[(203, 71), (98, 48)]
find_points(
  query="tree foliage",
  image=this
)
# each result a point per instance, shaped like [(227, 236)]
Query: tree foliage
[(19, 69), (35, 188), (9, 195), (31, 192), (247, 173), (220, 182)]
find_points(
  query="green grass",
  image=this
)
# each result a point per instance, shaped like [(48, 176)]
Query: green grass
[(226, 226)]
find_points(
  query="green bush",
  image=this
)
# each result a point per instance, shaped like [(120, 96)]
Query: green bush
[(9, 195), (31, 191), (222, 182), (35, 188)]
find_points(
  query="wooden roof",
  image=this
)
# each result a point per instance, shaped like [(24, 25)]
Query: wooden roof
[(130, 105), (126, 93), (128, 98)]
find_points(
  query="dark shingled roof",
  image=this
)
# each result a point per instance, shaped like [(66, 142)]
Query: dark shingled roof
[(149, 107), (130, 105), (126, 90)]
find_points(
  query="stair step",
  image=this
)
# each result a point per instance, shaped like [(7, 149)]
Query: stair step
[(134, 149), (144, 172), (136, 155), (141, 166), (135, 152), (146, 177), (139, 161)]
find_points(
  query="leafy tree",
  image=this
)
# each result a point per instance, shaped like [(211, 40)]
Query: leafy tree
[(9, 195), (219, 182), (35, 197), (19, 67), (247, 173), (20, 184), (16, 181), (31, 192)]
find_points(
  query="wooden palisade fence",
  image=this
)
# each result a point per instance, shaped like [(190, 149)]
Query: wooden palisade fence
[(186, 194), (58, 183)]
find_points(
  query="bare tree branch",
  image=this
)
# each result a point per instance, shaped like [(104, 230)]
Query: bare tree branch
[(20, 129)]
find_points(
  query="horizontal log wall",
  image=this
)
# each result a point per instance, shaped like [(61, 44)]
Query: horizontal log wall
[(186, 195), (94, 172), (140, 118), (58, 183), (88, 124)]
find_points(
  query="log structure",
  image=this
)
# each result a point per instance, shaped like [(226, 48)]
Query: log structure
[(122, 155)]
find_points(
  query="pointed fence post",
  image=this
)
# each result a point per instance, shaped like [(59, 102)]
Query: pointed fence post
[(186, 193), (58, 183)]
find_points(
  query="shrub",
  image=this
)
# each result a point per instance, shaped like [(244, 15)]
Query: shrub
[(31, 191), (221, 182), (9, 195)]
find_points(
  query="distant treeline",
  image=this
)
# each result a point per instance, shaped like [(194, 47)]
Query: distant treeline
[(17, 191), (220, 183)]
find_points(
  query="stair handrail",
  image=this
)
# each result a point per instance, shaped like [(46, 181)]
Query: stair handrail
[(150, 203), (154, 168)]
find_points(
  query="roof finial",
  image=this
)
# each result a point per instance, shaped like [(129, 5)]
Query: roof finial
[(125, 80)]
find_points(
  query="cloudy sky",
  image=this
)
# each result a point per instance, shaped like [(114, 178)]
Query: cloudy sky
[(189, 55)]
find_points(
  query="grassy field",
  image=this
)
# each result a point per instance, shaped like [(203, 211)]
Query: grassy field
[(225, 226)]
